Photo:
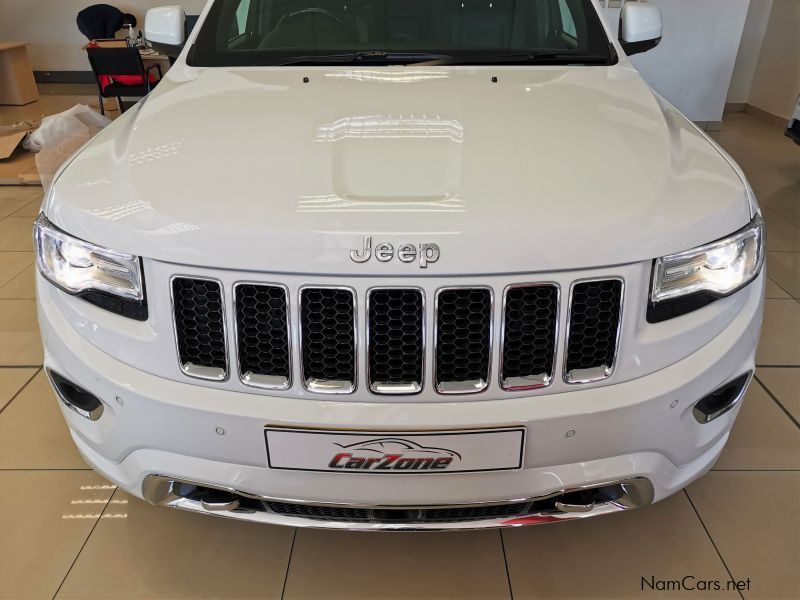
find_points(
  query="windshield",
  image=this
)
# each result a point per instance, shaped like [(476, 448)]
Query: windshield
[(309, 32)]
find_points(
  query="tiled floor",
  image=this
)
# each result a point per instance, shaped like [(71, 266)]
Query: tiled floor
[(65, 532)]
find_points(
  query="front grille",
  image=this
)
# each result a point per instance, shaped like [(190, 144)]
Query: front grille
[(200, 327), (463, 340), (399, 515), (529, 336), (327, 319), (313, 511), (595, 311), (262, 325), (473, 513), (396, 340), (324, 323)]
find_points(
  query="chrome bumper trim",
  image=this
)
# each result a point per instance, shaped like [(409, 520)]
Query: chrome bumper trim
[(92, 415), (162, 490)]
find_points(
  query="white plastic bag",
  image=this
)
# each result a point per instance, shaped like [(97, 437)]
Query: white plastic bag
[(60, 136)]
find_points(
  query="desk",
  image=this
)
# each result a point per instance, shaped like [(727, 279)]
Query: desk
[(17, 85), (151, 57)]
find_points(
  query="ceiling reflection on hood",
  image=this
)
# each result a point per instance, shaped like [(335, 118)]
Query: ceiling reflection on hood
[(120, 211), (390, 75), (175, 229), (389, 127), (152, 153), (333, 203)]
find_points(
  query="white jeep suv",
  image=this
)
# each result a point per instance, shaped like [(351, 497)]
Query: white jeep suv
[(401, 264)]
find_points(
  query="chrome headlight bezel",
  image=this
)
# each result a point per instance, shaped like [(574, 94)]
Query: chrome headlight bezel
[(107, 278), (688, 280)]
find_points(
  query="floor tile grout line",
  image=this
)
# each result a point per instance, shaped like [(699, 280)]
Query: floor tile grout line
[(24, 207), (83, 545), (43, 470), (19, 391), (20, 274), (288, 564), (505, 562), (784, 290), (711, 539), (20, 366), (778, 402), (777, 366)]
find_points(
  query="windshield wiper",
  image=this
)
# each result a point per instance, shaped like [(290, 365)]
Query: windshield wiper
[(366, 57), (535, 57)]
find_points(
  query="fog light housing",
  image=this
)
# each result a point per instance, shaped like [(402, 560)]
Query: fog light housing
[(75, 397), (721, 400)]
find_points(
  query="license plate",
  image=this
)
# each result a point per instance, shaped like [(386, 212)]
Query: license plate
[(393, 452)]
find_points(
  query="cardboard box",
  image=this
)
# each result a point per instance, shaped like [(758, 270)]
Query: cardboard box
[(17, 167), (17, 85)]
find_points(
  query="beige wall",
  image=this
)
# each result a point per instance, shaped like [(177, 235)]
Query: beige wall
[(776, 81), (692, 66), (749, 49), (49, 27)]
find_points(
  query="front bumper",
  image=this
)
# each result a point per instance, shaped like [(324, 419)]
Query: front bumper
[(642, 428)]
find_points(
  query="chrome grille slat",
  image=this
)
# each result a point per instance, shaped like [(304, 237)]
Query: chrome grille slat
[(198, 308), (463, 339), (262, 332), (395, 340), (529, 333), (328, 339), (593, 328)]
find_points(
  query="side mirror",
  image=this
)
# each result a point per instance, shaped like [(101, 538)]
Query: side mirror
[(639, 28), (165, 26)]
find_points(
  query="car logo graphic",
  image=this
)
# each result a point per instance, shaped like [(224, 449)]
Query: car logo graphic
[(392, 454)]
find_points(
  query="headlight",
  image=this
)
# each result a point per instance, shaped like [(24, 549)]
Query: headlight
[(688, 280), (89, 270)]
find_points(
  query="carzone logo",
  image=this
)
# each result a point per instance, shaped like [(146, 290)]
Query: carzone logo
[(392, 455)]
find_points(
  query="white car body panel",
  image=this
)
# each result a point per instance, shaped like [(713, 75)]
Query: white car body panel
[(318, 158), (549, 174), (165, 427)]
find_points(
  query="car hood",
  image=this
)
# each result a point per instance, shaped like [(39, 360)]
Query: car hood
[(506, 169)]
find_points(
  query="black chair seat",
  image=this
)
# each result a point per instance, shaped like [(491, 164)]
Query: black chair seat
[(118, 89)]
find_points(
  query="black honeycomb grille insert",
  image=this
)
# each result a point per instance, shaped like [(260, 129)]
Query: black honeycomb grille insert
[(398, 515), (312, 511), (474, 513), (463, 335), (593, 324), (529, 341), (396, 336), (263, 333), (328, 340), (199, 322)]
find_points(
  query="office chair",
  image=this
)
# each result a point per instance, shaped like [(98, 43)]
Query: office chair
[(121, 72)]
